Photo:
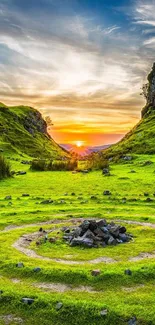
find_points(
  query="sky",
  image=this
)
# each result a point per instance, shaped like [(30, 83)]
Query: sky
[(81, 62)]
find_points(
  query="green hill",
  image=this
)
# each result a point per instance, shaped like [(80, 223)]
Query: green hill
[(141, 139), (23, 131)]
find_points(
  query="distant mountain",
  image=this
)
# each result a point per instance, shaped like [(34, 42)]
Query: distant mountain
[(83, 150), (24, 131)]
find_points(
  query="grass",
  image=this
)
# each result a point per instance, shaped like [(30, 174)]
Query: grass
[(123, 296)]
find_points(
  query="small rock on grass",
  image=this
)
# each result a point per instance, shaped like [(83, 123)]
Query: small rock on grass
[(95, 272), (37, 269), (128, 272), (8, 197), (20, 265), (104, 312), (132, 321), (28, 301), (59, 305)]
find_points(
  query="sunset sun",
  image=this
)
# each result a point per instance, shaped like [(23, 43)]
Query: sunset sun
[(79, 143)]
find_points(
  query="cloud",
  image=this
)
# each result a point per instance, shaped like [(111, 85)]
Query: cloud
[(72, 67)]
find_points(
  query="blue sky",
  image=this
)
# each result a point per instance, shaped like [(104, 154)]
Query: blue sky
[(82, 62)]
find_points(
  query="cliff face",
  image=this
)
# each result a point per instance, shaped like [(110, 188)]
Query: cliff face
[(24, 131), (149, 93)]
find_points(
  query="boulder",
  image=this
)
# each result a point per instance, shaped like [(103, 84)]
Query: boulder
[(106, 172)]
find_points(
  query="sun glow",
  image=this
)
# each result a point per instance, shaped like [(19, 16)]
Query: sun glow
[(79, 143)]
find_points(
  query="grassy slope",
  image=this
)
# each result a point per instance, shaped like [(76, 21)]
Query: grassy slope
[(23, 132), (139, 140), (122, 295)]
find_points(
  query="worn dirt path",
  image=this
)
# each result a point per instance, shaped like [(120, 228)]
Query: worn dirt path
[(23, 243)]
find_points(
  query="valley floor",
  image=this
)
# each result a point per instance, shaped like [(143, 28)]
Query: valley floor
[(64, 290)]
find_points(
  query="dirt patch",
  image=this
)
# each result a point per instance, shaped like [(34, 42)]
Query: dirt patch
[(59, 287), (142, 256), (132, 289), (8, 319)]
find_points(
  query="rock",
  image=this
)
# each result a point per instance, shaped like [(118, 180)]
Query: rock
[(101, 223), (85, 225), (88, 234), (127, 158), (122, 230), (26, 162), (37, 269), (147, 163), (106, 172), (59, 305), (124, 200), (128, 272), (146, 194), (104, 312), (92, 233), (52, 240), (132, 171), (95, 272), (85, 171), (92, 225), (8, 197), (149, 199), (106, 192), (1, 292), (20, 173), (112, 241), (124, 238), (28, 301), (25, 195), (20, 265), (132, 321), (98, 232), (46, 201), (93, 197), (73, 194)]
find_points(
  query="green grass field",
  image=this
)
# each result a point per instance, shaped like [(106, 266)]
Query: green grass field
[(65, 274)]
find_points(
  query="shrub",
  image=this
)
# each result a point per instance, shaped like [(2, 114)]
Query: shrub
[(5, 168), (44, 165), (38, 164), (97, 161)]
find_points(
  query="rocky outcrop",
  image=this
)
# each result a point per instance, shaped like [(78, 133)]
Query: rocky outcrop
[(149, 93), (24, 131)]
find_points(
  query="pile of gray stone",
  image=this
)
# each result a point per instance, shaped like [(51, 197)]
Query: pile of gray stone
[(92, 233)]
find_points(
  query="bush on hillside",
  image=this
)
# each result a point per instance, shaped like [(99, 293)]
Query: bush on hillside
[(97, 161), (5, 168), (44, 165)]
